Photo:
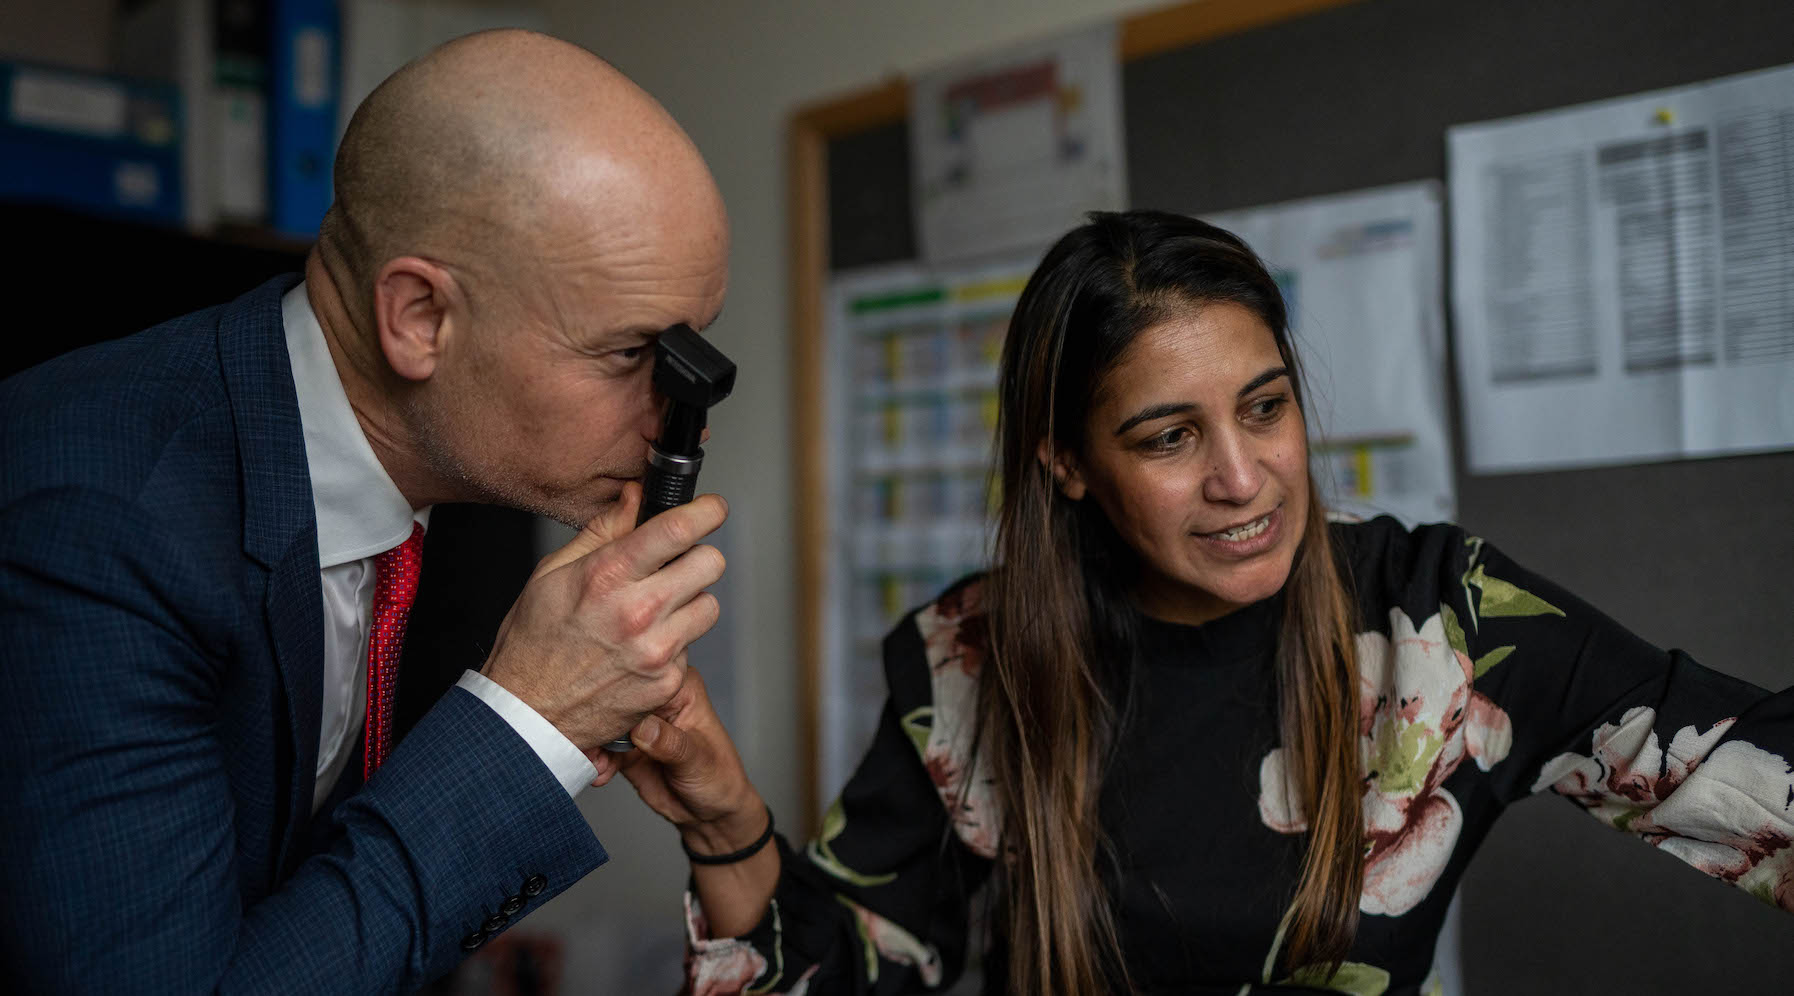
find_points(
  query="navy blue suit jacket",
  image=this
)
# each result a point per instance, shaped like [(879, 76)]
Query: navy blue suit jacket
[(161, 668)]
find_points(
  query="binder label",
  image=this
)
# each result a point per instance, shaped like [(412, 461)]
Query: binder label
[(68, 103), (311, 68)]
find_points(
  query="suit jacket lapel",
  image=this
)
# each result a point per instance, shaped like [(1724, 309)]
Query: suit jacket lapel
[(280, 530)]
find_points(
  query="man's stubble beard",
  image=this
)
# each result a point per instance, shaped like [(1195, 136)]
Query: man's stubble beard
[(472, 484)]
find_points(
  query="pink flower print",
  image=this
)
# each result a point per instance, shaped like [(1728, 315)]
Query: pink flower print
[(962, 601), (725, 970), (1419, 716), (953, 644), (943, 771), (1626, 772), (896, 945), (1277, 806), (1722, 807), (969, 806), (1406, 860), (716, 966), (1488, 733), (727, 966), (955, 631), (1425, 716)]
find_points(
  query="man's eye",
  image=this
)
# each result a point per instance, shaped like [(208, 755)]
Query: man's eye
[(633, 352)]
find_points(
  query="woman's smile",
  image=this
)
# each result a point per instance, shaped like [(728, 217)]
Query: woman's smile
[(1247, 539)]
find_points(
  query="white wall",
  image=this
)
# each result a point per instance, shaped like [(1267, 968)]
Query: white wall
[(732, 72)]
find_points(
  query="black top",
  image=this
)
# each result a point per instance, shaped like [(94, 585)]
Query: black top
[(1479, 685)]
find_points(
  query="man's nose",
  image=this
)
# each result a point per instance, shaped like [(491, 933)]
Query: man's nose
[(653, 414)]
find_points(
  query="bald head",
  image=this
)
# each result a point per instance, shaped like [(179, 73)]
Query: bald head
[(515, 222), (500, 147)]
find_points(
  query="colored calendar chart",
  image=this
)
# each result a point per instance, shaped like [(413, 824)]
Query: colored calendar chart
[(912, 398)]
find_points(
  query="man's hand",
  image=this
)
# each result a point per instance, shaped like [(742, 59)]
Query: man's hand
[(597, 639)]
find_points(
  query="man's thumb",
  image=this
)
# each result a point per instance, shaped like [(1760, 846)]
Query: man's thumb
[(616, 520)]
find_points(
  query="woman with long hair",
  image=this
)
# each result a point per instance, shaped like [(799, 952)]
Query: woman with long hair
[(1189, 735)]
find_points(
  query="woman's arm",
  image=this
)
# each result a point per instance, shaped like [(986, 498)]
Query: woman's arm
[(1648, 741), (879, 903), (687, 769)]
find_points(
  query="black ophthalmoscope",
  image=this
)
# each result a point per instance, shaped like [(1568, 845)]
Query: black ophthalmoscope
[(692, 375)]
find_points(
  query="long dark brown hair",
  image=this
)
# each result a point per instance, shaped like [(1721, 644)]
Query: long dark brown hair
[(1061, 610)]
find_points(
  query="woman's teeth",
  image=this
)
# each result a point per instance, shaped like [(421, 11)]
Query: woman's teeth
[(1246, 531)]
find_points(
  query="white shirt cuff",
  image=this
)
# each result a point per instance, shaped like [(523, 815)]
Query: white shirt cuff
[(564, 761)]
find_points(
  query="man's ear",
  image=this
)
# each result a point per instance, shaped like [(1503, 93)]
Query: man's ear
[(1063, 465), (411, 314)]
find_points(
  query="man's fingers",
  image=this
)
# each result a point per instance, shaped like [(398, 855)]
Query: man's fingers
[(691, 694), (617, 520), (692, 620), (685, 577), (606, 763), (671, 533)]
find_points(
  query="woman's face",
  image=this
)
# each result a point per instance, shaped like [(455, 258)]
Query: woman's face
[(1196, 452)]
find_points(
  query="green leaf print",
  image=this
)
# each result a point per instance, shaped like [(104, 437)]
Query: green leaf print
[(1490, 659), (778, 955), (1472, 565), (1503, 598), (1499, 598), (1622, 820), (869, 949), (1277, 942), (1764, 890), (918, 724), (1454, 633), (1404, 754), (834, 823), (1353, 977)]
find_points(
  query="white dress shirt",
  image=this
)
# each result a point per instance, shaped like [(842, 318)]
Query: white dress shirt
[(361, 513)]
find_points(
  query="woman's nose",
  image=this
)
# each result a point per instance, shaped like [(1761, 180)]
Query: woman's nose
[(1234, 475)]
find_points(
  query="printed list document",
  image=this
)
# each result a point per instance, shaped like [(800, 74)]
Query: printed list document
[(1623, 279)]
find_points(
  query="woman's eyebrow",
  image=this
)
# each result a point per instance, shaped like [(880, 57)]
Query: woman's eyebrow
[(1155, 411), (1263, 379), (1179, 407)]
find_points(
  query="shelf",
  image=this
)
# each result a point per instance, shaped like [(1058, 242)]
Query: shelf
[(126, 276)]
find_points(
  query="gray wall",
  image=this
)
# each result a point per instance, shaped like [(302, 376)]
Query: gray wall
[(1692, 554)]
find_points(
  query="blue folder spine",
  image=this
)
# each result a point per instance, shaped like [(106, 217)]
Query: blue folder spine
[(90, 141), (304, 92)]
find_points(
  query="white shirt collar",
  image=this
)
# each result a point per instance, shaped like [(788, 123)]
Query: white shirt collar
[(360, 511)]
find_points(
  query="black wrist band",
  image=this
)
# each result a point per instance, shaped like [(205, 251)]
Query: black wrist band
[(733, 856)]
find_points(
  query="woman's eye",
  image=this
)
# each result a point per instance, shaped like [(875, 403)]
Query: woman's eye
[(1170, 439), (1266, 409)]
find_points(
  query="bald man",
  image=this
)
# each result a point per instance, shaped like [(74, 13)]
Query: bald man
[(208, 539)]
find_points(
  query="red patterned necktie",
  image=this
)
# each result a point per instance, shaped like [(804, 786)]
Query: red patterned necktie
[(395, 587)]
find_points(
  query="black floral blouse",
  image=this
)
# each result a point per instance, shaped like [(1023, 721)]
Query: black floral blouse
[(1480, 684)]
